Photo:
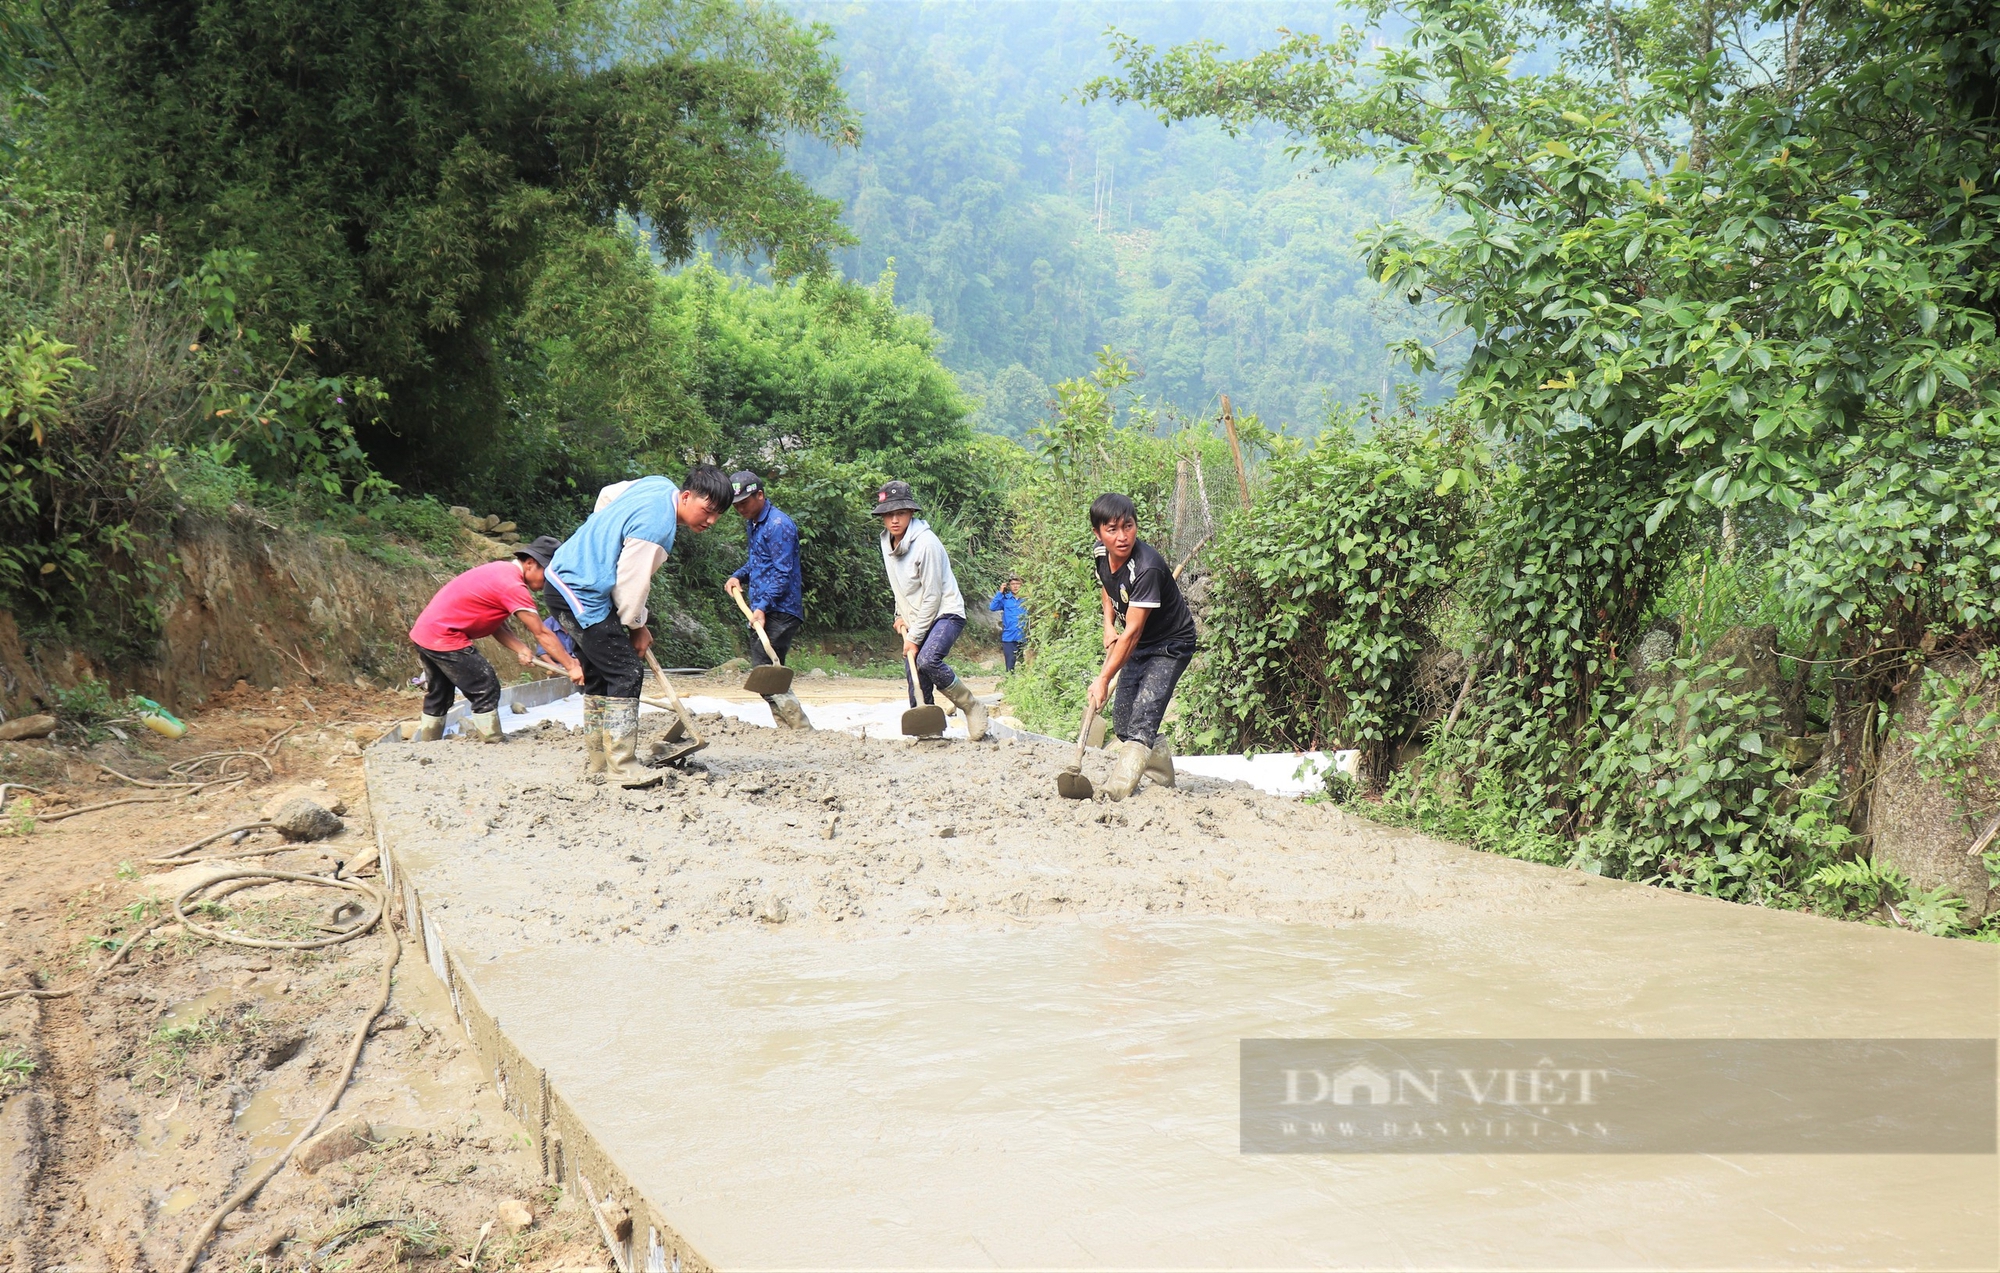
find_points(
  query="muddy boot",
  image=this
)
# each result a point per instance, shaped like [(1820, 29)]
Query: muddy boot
[(962, 698), (486, 727), (621, 745), (1133, 757), (593, 734), (788, 711), (430, 728), (1160, 766)]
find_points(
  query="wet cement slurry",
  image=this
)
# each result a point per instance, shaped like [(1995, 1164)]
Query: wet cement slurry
[(981, 1027)]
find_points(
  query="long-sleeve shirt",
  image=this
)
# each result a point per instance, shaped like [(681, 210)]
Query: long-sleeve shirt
[(920, 576), (1013, 615), (607, 566), (772, 580)]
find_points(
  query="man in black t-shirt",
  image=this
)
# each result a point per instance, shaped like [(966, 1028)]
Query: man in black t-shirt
[(1138, 586)]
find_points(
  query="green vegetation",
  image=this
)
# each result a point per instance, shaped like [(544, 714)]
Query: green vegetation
[(1728, 272), (1035, 228), (15, 1067)]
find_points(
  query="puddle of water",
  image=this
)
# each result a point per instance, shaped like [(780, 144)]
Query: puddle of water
[(191, 1011), (1067, 1094), (178, 1201), (262, 1121)]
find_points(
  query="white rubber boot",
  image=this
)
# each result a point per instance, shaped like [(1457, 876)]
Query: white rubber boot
[(621, 745), (1133, 757), (1160, 765), (486, 727), (964, 700), (788, 711), (593, 734), (429, 728)]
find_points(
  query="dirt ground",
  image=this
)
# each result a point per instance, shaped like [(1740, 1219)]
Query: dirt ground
[(129, 1110)]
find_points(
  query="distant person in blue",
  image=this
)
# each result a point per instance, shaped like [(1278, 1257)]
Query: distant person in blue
[(775, 585), (596, 590), (1013, 619)]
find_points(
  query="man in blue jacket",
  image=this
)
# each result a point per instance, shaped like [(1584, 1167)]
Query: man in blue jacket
[(776, 587), (1013, 619), (598, 583)]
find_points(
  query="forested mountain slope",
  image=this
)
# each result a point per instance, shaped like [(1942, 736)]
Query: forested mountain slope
[(1034, 228)]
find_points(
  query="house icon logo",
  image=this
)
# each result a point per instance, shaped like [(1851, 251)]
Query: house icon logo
[(1357, 1079)]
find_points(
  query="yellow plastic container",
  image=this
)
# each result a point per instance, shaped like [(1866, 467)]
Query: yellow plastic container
[(159, 719)]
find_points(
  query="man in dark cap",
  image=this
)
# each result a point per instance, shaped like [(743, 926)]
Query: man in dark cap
[(774, 584), (475, 605), (930, 610)]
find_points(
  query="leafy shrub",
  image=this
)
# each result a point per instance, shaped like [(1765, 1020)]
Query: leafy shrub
[(1323, 593), (1684, 787)]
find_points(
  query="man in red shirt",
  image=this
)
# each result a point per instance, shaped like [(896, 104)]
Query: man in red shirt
[(475, 605)]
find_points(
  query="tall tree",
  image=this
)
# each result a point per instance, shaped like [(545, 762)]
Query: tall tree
[(404, 171)]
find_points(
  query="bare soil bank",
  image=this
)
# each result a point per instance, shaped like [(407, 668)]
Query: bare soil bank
[(147, 1100)]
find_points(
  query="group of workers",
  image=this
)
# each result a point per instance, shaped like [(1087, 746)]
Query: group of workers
[(594, 587)]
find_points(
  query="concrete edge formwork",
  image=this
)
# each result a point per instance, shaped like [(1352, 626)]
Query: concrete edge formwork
[(633, 1227)]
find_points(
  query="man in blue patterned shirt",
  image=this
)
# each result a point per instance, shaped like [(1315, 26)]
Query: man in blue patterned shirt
[(772, 585)]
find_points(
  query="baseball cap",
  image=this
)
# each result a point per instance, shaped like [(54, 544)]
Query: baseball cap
[(896, 497), (539, 550), (745, 484)]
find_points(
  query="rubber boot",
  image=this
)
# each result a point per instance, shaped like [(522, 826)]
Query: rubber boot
[(1160, 765), (1130, 767), (621, 745), (787, 711), (962, 698), (486, 727), (430, 728), (593, 734)]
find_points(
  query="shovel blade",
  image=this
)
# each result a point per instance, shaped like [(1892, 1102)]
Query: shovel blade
[(923, 722), (1071, 785), (666, 753), (767, 679)]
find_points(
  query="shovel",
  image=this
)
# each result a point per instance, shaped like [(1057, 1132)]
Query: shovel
[(921, 722), (772, 677), (1070, 783), (668, 752)]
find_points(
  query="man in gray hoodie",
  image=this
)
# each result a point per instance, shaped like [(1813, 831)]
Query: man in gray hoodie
[(930, 611)]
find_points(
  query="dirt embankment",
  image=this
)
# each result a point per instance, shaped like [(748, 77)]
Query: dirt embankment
[(251, 601), (129, 1110)]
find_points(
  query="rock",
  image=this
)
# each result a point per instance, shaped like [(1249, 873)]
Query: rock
[(518, 710), (509, 537), (817, 674), (460, 510), (303, 818), (1803, 753), (831, 829), (336, 1144), (318, 795), (506, 528), (513, 1215), (27, 727), (738, 664), (1921, 826), (772, 910), (617, 1218), (492, 521)]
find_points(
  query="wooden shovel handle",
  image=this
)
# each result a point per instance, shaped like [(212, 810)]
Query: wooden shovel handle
[(744, 606), (1083, 735), (687, 721)]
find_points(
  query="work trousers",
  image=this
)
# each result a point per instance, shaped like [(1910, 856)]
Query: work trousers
[(932, 671), (1145, 687), (467, 670), (1011, 650), (781, 628), (611, 667)]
